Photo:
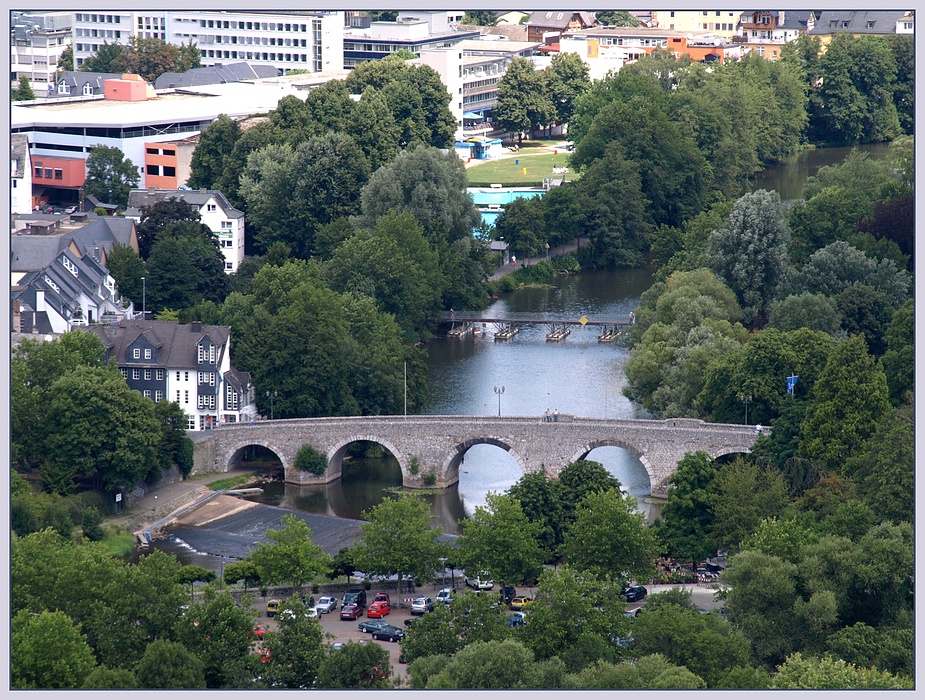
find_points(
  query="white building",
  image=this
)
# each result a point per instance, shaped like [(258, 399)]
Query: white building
[(723, 23), (216, 212), (37, 41), (20, 175), (306, 40)]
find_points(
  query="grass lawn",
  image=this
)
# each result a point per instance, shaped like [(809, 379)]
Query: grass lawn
[(508, 172)]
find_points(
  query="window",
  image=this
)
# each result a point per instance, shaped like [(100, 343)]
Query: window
[(231, 398), (147, 375), (147, 394), (136, 353), (136, 374), (190, 423), (178, 396), (178, 379), (229, 266), (158, 396), (186, 397), (211, 207), (59, 174), (159, 375), (147, 353), (48, 173), (186, 376), (124, 372)]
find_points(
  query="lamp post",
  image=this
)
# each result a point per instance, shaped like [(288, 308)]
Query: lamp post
[(745, 399), (144, 300), (272, 396), (499, 391)]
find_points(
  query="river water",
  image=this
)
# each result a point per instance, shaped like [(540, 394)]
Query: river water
[(576, 376)]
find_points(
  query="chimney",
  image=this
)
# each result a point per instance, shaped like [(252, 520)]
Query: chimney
[(39, 300), (152, 190), (196, 327)]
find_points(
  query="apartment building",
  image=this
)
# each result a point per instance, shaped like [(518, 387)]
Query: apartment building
[(37, 41), (305, 40), (722, 23)]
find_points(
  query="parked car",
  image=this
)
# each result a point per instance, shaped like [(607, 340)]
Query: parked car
[(445, 596), (382, 597), (410, 621), (507, 594), (287, 614), (372, 625), (351, 611), (380, 609), (355, 595), (310, 601), (480, 582), (259, 631), (520, 602), (272, 607), (326, 604), (70, 210), (389, 633), (421, 605), (517, 619), (634, 593)]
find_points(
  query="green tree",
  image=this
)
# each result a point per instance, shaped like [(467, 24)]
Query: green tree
[(127, 269), (687, 518), (168, 664), (899, 359), (190, 574), (47, 650), (616, 18), (524, 99), (480, 18), (243, 571), (308, 459), (257, 137), (398, 539), (84, 404), (609, 538), (750, 252), (102, 677), (110, 175), (355, 666), (577, 480), (849, 397), (290, 557), (215, 629), (575, 617), (538, 496), (429, 184), (101, 60), (291, 191), (185, 267), (745, 495), (215, 145), (856, 91), (176, 448), (152, 57), (706, 645), (291, 333), (330, 108), (156, 217), (653, 671), (489, 665), (23, 92), (500, 540), (807, 310), (825, 672), (66, 61), (296, 652), (395, 266), (568, 79), (374, 129), (867, 647)]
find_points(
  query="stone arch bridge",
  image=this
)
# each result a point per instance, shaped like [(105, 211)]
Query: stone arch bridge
[(436, 444)]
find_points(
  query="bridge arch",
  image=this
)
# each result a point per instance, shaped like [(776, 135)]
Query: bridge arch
[(617, 442), (234, 453), (450, 465), (335, 454)]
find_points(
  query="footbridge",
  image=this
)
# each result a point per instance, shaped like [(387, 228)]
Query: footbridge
[(429, 449)]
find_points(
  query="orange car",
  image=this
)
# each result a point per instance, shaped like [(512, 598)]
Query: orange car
[(378, 609)]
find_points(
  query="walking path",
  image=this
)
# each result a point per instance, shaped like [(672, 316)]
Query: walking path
[(558, 251)]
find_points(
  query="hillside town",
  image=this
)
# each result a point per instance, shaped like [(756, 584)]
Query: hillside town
[(229, 229)]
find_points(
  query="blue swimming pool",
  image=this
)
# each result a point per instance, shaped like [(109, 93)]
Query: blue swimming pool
[(483, 196)]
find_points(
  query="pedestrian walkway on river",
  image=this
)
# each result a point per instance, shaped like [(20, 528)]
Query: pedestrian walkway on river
[(558, 251)]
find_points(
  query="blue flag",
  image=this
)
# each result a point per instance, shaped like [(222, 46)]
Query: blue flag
[(791, 382)]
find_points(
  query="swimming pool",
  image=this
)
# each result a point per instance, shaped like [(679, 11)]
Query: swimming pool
[(483, 196)]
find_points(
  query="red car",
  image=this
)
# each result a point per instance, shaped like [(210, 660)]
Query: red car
[(259, 631), (380, 609), (351, 611), (382, 597)]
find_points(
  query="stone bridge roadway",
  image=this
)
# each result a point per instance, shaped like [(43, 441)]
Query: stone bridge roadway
[(425, 444)]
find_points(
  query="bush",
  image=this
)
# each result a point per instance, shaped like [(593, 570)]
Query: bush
[(308, 459), (414, 466), (430, 478), (92, 525)]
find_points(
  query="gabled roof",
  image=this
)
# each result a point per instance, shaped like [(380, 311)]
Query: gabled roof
[(177, 343), (77, 79), (36, 252), (857, 22), (793, 19), (215, 75), (197, 198), (559, 19), (19, 154)]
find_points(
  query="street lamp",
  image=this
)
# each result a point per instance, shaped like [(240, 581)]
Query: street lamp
[(144, 294), (745, 399), (272, 396), (499, 391)]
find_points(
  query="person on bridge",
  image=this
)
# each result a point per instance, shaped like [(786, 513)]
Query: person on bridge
[(546, 416), (555, 415)]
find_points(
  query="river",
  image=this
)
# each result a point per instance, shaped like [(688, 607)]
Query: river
[(578, 376)]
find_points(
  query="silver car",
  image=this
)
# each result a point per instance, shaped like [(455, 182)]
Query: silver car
[(326, 604), (421, 605)]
